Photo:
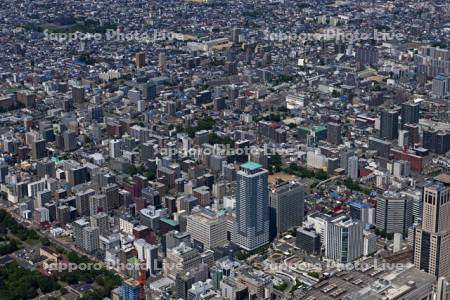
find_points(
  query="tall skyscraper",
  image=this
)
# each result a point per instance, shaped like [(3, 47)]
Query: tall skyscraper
[(70, 141), (115, 148), (442, 142), (429, 139), (147, 253), (367, 55), (441, 85), (394, 213), (344, 156), (98, 203), (91, 239), (131, 289), (252, 207), (242, 147), (207, 228), (410, 113), (162, 60), (334, 133), (148, 91), (101, 221), (76, 174), (235, 35), (82, 202), (361, 211), (286, 207), (45, 167), (140, 59), (432, 238), (38, 149), (403, 138), (344, 240), (436, 141), (389, 124), (3, 171), (78, 94), (353, 167), (78, 227)]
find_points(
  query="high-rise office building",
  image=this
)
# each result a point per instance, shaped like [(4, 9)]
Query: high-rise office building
[(63, 217), (69, 141), (78, 94), (436, 141), (334, 133), (76, 174), (82, 202), (353, 167), (369, 243), (162, 60), (403, 138), (242, 150), (382, 147), (389, 124), (442, 145), (115, 148), (140, 60), (432, 238), (148, 91), (361, 211), (367, 55), (252, 207), (78, 227), (344, 240), (286, 207), (441, 86), (4, 170), (101, 221), (235, 35), (410, 113), (36, 186), (42, 197), (394, 213), (344, 156), (429, 139), (98, 203), (413, 133), (45, 167), (38, 149), (147, 253), (401, 168), (111, 190), (131, 289), (91, 239), (151, 197), (207, 228), (182, 256), (308, 240), (96, 113)]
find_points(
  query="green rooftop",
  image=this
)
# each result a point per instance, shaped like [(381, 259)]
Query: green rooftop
[(133, 260), (57, 160), (169, 221), (319, 128), (252, 166)]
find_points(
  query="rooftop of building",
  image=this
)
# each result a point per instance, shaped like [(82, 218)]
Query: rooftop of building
[(445, 178), (252, 166)]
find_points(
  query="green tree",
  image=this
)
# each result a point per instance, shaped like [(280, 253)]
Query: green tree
[(275, 163)]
